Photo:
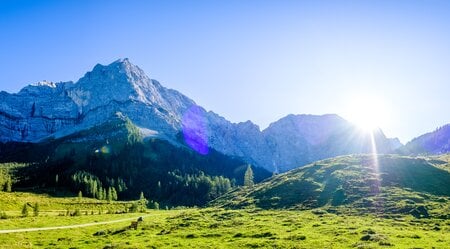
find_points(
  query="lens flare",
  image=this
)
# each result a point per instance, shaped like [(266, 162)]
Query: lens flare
[(195, 129), (104, 150)]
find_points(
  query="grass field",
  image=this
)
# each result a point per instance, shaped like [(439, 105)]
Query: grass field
[(219, 228)]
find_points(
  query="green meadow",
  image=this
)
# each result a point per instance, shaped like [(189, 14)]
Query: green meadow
[(216, 228)]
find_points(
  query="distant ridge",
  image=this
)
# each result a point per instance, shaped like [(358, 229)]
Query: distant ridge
[(436, 142)]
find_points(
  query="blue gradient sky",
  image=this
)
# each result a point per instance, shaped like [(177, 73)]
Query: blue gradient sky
[(257, 60)]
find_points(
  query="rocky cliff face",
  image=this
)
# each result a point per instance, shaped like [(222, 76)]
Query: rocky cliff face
[(47, 110)]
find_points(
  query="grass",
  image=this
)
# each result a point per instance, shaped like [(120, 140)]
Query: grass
[(335, 203), (358, 182), (247, 228), (12, 203)]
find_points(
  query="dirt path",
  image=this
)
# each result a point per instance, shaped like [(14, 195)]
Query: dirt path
[(21, 230)]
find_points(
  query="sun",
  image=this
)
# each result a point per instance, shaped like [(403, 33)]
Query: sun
[(367, 112)]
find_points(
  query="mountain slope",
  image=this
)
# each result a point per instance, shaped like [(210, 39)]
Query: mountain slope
[(381, 184), (114, 155), (436, 142)]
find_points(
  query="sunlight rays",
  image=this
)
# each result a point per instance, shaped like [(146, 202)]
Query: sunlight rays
[(368, 112)]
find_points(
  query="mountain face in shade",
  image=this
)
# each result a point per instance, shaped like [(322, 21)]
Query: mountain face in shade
[(47, 110), (436, 142)]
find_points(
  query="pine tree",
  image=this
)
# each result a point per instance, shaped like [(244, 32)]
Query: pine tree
[(109, 195), (142, 203), (248, 177), (114, 193), (9, 184), (25, 210), (100, 193), (80, 195)]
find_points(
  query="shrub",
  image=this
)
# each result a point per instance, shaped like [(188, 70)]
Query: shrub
[(25, 210), (3, 216)]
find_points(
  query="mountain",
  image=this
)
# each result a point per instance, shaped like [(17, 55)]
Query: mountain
[(48, 111), (436, 142), (302, 139), (115, 156), (367, 183)]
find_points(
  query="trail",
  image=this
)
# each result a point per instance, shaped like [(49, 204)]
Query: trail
[(21, 230)]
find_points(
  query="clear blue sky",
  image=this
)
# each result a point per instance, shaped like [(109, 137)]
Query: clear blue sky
[(257, 60)]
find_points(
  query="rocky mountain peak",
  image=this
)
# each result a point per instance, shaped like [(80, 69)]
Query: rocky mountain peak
[(52, 110)]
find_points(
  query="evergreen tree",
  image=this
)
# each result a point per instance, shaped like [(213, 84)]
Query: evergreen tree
[(9, 184), (248, 177), (25, 210), (114, 193), (142, 203), (80, 195), (100, 193), (109, 195)]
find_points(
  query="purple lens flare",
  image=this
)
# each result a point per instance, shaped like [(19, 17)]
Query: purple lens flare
[(195, 129)]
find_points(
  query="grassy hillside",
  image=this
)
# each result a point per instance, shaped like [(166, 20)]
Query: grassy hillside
[(360, 183)]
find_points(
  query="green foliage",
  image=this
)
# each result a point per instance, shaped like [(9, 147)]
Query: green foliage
[(196, 189), (142, 203), (36, 209), (5, 178), (248, 177), (134, 207), (127, 165), (77, 212), (153, 205), (24, 210), (88, 183), (3, 215), (109, 195), (113, 193)]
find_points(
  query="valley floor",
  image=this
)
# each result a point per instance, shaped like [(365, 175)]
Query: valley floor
[(218, 228)]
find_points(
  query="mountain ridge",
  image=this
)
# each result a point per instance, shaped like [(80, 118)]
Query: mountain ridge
[(52, 110)]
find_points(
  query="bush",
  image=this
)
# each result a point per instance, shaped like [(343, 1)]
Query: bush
[(77, 212), (134, 207), (3, 216), (25, 210), (36, 209)]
